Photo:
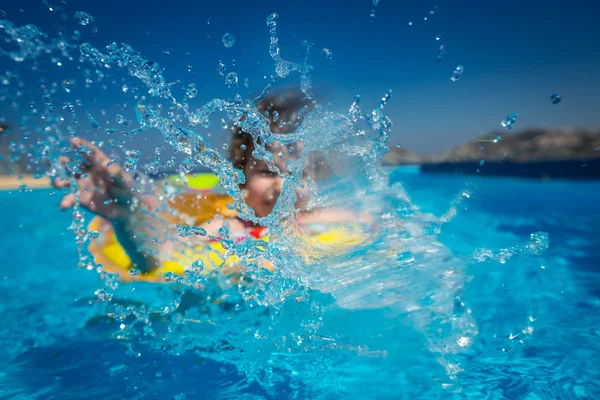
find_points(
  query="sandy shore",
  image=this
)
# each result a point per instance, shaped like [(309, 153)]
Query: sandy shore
[(13, 182)]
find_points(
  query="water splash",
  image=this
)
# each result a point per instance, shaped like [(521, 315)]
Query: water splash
[(509, 121), (457, 73), (83, 18), (381, 274)]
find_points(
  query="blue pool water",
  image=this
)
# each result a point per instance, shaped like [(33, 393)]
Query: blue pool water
[(538, 315)]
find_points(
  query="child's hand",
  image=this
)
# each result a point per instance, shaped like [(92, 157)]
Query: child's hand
[(103, 188)]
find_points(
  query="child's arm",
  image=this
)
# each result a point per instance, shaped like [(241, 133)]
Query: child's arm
[(108, 191)]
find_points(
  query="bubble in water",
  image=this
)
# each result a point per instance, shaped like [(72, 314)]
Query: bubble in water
[(555, 98), (134, 272), (93, 234), (228, 40), (327, 53), (231, 79), (439, 36), (83, 18), (191, 91), (246, 82), (457, 73), (243, 147), (68, 85), (373, 16), (509, 121)]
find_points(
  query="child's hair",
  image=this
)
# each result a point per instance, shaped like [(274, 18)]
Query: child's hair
[(282, 109)]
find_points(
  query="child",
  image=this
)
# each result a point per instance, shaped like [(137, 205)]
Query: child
[(107, 190)]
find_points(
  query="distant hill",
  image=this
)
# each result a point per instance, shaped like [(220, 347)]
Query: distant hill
[(400, 156), (528, 145)]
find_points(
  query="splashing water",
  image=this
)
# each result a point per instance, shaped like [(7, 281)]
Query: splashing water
[(328, 54), (83, 18), (457, 73), (297, 307), (442, 54), (509, 121)]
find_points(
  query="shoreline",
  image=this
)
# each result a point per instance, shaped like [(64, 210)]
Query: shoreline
[(14, 182)]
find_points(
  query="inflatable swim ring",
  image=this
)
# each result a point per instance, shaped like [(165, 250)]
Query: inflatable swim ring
[(196, 205)]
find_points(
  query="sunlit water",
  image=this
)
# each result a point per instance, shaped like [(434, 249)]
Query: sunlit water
[(538, 315)]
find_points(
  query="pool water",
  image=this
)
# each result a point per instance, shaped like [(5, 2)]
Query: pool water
[(538, 315)]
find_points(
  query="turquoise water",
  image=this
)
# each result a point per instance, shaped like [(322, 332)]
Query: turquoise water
[(537, 314)]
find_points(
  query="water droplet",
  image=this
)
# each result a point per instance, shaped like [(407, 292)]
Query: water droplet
[(272, 19), (68, 85), (198, 265), (441, 53), (103, 295), (187, 165), (191, 91), (221, 69), (228, 40), (121, 120), (555, 98), (169, 276), (199, 231), (183, 230), (509, 121), (457, 73), (327, 53), (83, 18), (231, 79)]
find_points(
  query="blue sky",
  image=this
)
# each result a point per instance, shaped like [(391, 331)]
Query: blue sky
[(515, 55)]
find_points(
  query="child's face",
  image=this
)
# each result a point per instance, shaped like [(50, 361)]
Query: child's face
[(263, 187)]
